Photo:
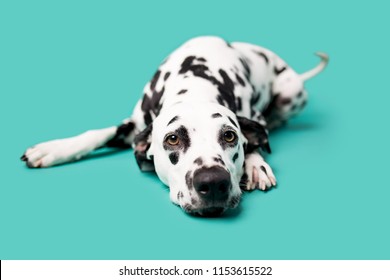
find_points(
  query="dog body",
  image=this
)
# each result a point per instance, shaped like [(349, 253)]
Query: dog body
[(201, 123)]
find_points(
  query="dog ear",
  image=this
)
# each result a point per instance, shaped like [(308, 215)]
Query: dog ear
[(255, 133), (142, 143)]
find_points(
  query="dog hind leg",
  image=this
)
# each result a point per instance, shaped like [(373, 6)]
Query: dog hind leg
[(288, 95)]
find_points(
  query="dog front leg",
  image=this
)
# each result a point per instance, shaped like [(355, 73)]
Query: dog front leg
[(257, 173), (65, 150)]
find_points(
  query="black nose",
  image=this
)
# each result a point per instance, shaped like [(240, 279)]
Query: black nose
[(212, 184)]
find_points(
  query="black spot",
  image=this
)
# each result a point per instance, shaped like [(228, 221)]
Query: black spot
[(174, 157), (239, 103), (228, 84), (233, 122), (240, 80), (155, 100), (166, 76), (299, 94), (122, 132), (148, 118), (263, 56), (180, 195), (293, 107), (246, 67), (216, 115), (263, 169), (219, 160), (220, 100), (184, 137), (145, 105), (185, 66), (198, 161), (199, 70), (193, 201), (235, 157), (279, 71), (152, 104), (182, 91), (226, 89), (154, 80), (189, 180), (173, 120)]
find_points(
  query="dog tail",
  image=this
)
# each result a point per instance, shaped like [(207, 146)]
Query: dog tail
[(316, 70)]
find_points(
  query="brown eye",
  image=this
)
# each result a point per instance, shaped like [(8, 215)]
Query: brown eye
[(172, 140), (229, 136)]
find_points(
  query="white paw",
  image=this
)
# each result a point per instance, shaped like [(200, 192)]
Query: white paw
[(259, 173), (49, 153)]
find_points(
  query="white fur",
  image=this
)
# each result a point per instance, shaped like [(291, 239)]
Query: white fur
[(69, 149)]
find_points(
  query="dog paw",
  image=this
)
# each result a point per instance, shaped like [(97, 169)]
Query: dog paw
[(48, 154), (258, 174)]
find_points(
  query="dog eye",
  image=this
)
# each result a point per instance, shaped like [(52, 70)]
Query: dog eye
[(172, 139), (229, 136)]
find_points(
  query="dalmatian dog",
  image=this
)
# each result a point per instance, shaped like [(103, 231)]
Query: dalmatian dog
[(202, 123)]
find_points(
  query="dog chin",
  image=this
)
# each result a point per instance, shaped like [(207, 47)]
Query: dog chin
[(212, 210)]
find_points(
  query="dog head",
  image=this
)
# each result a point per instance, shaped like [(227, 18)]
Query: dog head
[(198, 150)]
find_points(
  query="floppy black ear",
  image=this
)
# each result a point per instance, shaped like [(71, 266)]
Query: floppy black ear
[(255, 133), (142, 143)]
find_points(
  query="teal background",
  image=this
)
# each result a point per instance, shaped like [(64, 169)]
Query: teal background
[(69, 66)]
